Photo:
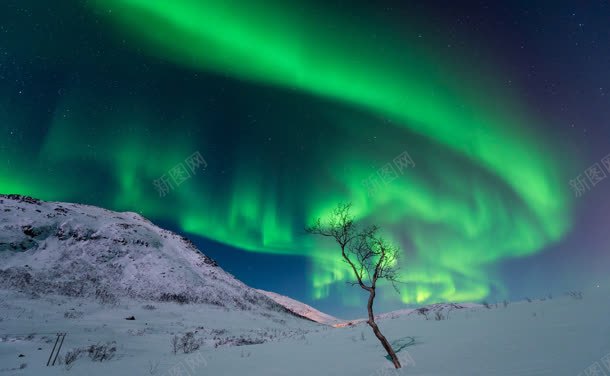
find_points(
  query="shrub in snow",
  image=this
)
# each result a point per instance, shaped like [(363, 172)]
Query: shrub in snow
[(71, 357), (73, 315), (105, 297), (423, 311), (177, 298), (575, 294), (187, 343), (238, 341), (101, 352)]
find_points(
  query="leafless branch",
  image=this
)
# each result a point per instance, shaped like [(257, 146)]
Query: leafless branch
[(370, 257)]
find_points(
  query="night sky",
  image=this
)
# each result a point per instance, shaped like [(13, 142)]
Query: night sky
[(466, 131)]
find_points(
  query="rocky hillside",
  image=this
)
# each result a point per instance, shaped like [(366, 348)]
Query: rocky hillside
[(80, 250)]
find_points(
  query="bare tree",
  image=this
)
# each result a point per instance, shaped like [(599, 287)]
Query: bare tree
[(370, 257)]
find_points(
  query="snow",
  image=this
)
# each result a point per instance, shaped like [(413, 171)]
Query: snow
[(563, 336), (566, 335), (80, 250), (302, 309)]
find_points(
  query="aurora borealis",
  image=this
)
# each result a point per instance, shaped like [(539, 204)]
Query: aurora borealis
[(293, 106)]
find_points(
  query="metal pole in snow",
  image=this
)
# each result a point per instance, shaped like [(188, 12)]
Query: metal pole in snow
[(63, 336), (52, 351)]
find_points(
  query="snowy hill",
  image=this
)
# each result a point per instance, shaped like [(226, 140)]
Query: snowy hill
[(302, 309), (438, 311), (430, 311), (86, 251)]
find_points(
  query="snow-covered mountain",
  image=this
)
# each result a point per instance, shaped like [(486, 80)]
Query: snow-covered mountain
[(81, 250), (302, 309)]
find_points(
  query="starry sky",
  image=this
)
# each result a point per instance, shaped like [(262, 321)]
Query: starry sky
[(475, 134)]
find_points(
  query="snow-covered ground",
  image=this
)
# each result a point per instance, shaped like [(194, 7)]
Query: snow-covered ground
[(82, 271), (562, 336)]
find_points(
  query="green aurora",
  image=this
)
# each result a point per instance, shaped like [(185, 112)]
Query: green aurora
[(485, 187)]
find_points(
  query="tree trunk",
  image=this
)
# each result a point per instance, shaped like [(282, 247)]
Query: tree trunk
[(384, 342)]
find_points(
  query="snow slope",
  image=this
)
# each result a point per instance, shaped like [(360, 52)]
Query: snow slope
[(80, 250), (302, 309), (429, 312)]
